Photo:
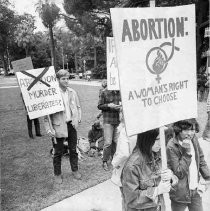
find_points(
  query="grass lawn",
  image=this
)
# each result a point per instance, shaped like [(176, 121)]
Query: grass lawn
[(26, 165)]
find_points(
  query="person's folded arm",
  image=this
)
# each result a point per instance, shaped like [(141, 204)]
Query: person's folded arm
[(179, 165)]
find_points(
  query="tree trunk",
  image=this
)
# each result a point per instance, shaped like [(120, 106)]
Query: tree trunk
[(4, 64), (8, 61), (75, 62), (53, 61), (26, 51), (95, 59)]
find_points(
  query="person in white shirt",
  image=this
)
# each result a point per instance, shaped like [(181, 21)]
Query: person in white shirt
[(62, 126), (125, 146)]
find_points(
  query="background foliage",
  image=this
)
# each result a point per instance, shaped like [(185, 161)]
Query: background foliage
[(88, 23)]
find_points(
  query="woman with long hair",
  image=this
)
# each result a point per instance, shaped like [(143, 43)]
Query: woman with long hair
[(143, 180)]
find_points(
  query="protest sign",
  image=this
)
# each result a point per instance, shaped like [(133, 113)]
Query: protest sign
[(40, 90), (22, 64), (156, 55), (112, 70)]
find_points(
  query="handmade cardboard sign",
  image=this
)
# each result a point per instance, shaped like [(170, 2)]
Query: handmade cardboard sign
[(22, 64), (112, 70), (156, 56), (41, 92)]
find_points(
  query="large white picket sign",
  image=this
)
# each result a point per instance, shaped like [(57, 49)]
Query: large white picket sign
[(112, 70), (156, 55), (40, 90)]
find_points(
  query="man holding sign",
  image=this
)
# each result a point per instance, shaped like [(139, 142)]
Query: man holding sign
[(64, 124)]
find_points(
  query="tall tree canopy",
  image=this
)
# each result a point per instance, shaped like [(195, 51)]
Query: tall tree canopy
[(49, 13), (8, 24), (24, 32), (92, 16)]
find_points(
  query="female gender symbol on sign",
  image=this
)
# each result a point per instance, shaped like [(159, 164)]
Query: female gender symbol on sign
[(157, 59)]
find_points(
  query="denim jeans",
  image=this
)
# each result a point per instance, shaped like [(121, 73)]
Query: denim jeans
[(195, 205), (110, 139), (59, 147)]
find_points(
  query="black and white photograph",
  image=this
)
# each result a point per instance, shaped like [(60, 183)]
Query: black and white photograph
[(105, 105)]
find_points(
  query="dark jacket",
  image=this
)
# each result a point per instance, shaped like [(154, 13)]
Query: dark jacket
[(139, 178), (179, 162), (95, 134)]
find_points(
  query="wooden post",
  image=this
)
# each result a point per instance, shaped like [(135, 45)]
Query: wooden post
[(163, 150), (164, 165)]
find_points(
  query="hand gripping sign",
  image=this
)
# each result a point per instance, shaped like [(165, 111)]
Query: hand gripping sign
[(40, 91)]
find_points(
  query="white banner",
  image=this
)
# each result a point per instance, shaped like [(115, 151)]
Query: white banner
[(22, 64), (156, 54), (112, 70), (41, 92)]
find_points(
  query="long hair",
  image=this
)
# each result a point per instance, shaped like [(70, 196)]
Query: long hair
[(146, 140)]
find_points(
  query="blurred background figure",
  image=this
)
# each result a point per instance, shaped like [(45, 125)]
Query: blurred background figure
[(95, 138), (30, 127), (30, 123), (103, 86)]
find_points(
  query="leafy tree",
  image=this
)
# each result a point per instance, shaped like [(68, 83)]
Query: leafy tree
[(24, 32), (92, 16), (68, 47), (90, 19), (49, 13), (8, 23), (91, 46), (40, 50)]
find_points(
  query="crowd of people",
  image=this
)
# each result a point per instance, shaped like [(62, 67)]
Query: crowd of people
[(135, 161)]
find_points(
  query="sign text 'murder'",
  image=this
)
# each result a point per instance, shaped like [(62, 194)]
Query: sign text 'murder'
[(158, 28)]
